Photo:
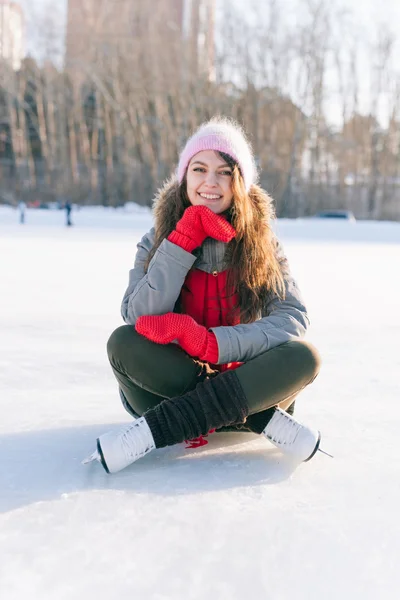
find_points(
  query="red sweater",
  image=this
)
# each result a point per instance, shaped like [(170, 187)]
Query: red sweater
[(204, 297)]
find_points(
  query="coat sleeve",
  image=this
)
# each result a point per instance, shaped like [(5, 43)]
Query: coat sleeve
[(281, 321), (155, 292)]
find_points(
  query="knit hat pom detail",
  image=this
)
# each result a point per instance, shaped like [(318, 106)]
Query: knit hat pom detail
[(221, 135)]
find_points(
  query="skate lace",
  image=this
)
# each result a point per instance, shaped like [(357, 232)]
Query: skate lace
[(286, 430), (199, 441), (136, 445)]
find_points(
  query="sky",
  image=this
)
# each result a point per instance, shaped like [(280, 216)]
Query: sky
[(46, 29), (367, 12)]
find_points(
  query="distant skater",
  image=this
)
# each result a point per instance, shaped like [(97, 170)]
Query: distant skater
[(68, 211), (22, 209), (214, 318)]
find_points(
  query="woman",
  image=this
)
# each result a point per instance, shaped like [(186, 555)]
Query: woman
[(214, 318)]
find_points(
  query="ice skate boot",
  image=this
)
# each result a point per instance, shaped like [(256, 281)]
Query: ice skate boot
[(118, 449), (291, 437)]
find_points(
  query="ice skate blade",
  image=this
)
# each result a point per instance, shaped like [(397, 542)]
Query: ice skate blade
[(323, 452), (91, 458)]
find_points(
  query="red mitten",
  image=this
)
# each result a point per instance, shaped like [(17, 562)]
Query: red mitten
[(195, 339), (198, 223)]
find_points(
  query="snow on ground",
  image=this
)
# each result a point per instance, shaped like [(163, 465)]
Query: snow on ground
[(231, 520)]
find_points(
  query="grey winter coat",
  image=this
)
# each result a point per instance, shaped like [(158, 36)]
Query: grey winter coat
[(157, 291)]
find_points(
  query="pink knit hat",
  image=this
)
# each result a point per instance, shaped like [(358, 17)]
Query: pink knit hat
[(225, 136)]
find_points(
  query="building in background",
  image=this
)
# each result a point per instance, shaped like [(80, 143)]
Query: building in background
[(178, 32), (12, 33)]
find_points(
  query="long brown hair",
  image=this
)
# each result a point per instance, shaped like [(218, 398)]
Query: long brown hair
[(254, 270)]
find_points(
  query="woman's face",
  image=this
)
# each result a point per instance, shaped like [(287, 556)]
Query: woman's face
[(209, 181)]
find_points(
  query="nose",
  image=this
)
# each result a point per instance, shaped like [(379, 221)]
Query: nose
[(211, 178)]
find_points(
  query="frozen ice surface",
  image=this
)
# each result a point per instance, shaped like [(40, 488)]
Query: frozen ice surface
[(233, 519)]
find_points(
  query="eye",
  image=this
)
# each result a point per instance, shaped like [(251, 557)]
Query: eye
[(229, 173), (199, 169)]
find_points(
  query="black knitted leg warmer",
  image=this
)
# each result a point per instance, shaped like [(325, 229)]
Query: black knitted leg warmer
[(213, 403)]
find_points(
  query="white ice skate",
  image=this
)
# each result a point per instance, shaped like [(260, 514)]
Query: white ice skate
[(118, 449), (290, 436)]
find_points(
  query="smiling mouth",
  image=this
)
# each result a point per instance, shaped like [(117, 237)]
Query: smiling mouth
[(209, 196)]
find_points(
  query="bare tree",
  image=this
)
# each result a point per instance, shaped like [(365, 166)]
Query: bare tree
[(108, 127)]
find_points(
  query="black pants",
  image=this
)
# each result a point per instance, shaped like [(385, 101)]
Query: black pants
[(147, 373)]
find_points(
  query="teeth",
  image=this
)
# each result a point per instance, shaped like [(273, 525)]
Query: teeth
[(210, 196)]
